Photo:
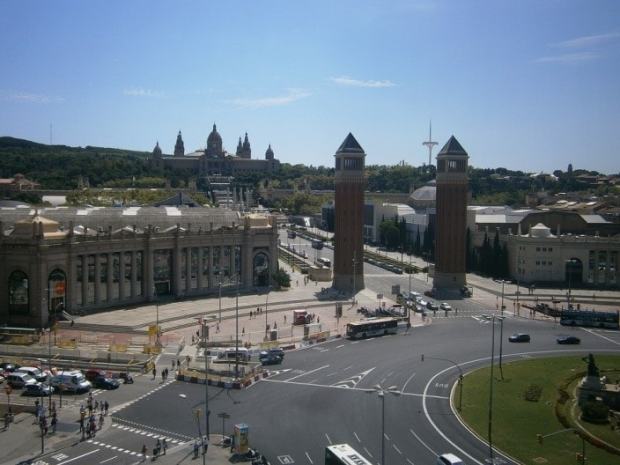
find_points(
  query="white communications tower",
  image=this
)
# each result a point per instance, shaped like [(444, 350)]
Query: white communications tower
[(430, 143)]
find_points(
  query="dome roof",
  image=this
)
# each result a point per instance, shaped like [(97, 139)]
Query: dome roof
[(424, 197), (214, 136)]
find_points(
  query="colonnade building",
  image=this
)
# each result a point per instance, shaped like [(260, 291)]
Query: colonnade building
[(84, 259)]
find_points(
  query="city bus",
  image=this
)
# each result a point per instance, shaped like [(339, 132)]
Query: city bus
[(590, 318), (317, 244), (344, 454), (371, 327), (326, 262)]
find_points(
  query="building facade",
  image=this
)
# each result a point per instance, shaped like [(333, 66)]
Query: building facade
[(80, 260), (349, 216), (451, 216), (214, 159)]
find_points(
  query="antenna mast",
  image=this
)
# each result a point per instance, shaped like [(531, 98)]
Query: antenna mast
[(430, 143)]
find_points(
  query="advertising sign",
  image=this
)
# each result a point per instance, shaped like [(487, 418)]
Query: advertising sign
[(241, 438)]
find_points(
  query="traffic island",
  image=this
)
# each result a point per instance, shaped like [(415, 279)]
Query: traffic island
[(534, 401)]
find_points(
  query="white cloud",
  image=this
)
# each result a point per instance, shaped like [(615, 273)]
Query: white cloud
[(569, 58), (291, 96), (347, 81), (140, 92), (29, 97), (588, 41)]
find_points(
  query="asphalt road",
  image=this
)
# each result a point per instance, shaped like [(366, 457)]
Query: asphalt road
[(326, 394)]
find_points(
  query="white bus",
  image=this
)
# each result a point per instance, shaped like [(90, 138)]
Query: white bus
[(230, 354), (326, 262), (344, 454), (371, 327)]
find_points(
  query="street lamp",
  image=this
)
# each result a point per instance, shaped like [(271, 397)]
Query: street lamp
[(266, 307), (569, 267), (219, 276), (354, 273), (205, 333), (381, 393)]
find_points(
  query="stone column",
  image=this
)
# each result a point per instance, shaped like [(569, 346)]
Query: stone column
[(188, 270), (134, 274), (200, 267), (84, 280), (148, 272), (596, 270), (97, 280), (121, 276), (211, 283), (176, 270), (110, 276)]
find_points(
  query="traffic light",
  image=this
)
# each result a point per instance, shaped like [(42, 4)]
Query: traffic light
[(540, 438)]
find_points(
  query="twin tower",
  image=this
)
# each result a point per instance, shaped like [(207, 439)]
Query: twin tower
[(451, 216)]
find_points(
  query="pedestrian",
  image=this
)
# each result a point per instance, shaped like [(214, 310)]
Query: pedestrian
[(178, 364), (154, 372), (164, 445), (250, 314), (243, 330), (96, 405), (275, 325), (173, 364), (7, 420), (106, 407), (318, 319), (143, 452), (100, 420), (217, 327), (163, 375), (54, 422), (205, 445), (196, 449)]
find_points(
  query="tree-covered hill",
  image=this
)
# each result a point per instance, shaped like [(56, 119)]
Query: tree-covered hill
[(60, 166)]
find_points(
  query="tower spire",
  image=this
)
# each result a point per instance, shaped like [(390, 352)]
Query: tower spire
[(430, 143)]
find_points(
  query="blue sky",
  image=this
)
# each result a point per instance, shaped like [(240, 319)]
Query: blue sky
[(523, 84)]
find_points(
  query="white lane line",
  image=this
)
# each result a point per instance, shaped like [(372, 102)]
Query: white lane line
[(422, 442), (309, 459), (345, 369), (397, 449), (300, 383), (79, 456), (602, 337), (340, 346), (407, 382), (410, 462), (328, 439), (368, 452), (356, 437), (307, 373), (107, 460), (331, 374), (386, 436)]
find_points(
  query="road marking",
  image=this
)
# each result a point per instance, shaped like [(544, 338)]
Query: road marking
[(345, 369), (407, 382), (397, 449), (422, 442), (353, 381), (368, 452), (410, 462), (107, 460), (307, 373), (356, 437), (340, 346), (601, 336), (79, 456), (285, 459), (328, 439), (309, 459), (386, 436)]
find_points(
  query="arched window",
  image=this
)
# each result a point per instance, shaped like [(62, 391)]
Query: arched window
[(260, 270), (57, 285), (19, 299)]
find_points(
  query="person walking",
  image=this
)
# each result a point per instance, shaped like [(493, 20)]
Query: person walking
[(205, 444), (196, 449), (100, 420), (164, 445), (106, 407), (154, 372), (143, 452), (54, 422)]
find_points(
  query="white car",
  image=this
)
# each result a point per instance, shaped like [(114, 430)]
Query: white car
[(445, 306), (422, 303)]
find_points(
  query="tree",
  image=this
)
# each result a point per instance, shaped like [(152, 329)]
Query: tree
[(390, 233), (282, 278), (417, 246)]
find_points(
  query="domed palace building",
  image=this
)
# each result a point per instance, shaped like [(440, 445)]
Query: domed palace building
[(213, 159)]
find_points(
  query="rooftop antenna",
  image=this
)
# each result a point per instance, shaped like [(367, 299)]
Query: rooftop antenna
[(430, 143)]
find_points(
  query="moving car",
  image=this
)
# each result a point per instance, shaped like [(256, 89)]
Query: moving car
[(449, 459), (445, 306), (38, 390), (94, 373), (102, 382), (568, 340), (519, 337), (276, 351), (72, 381), (432, 306), (267, 358)]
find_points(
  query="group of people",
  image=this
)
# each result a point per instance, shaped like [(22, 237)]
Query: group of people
[(89, 423), (164, 373), (42, 419), (160, 446), (205, 446)]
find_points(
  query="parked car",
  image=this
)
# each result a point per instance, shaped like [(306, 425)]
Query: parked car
[(568, 340), (102, 382), (432, 306), (35, 372), (18, 380), (422, 303), (72, 381), (8, 367), (38, 390), (445, 306), (519, 337)]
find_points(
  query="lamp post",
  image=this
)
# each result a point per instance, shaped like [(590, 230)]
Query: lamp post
[(381, 393), (219, 276), (197, 413), (458, 367), (205, 337), (237, 332), (490, 426), (569, 267), (354, 273), (266, 307)]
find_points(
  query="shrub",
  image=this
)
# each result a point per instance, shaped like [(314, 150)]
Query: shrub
[(533, 393)]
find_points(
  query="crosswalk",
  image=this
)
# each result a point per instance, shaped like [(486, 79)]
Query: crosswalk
[(116, 448), (151, 432)]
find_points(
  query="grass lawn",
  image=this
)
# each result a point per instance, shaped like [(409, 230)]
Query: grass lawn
[(517, 421)]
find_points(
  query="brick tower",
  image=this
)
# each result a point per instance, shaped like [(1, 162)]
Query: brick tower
[(349, 216), (451, 220)]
